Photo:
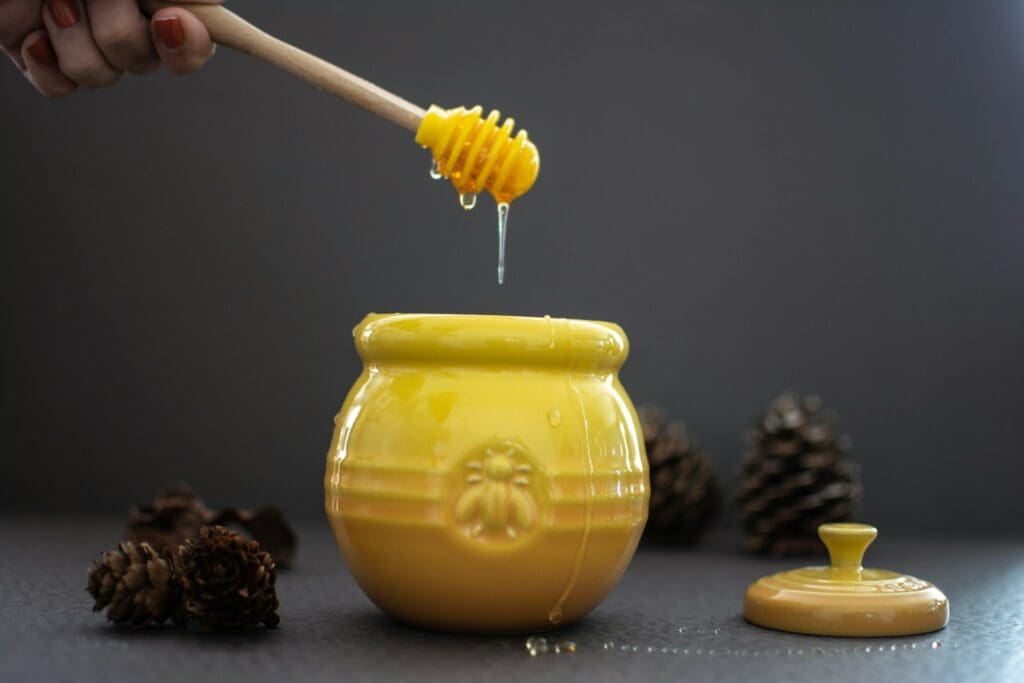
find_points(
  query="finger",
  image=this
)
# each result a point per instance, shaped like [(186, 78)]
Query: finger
[(18, 18), (42, 67), (122, 35), (182, 41), (80, 59)]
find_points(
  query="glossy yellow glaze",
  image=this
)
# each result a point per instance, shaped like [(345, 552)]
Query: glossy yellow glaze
[(845, 599), (487, 473), (477, 154)]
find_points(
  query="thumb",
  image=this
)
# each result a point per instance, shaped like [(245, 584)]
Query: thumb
[(181, 40)]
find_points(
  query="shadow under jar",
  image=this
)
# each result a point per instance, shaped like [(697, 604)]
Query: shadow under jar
[(487, 473)]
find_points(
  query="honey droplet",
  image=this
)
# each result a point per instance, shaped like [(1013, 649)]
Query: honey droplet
[(435, 170), (467, 200), (536, 645), (551, 332)]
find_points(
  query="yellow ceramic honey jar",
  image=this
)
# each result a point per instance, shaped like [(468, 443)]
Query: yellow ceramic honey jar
[(487, 473)]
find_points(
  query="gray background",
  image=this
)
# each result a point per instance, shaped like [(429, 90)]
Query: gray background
[(818, 195)]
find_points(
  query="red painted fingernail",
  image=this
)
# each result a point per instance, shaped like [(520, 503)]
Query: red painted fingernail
[(169, 32), (42, 51), (64, 12)]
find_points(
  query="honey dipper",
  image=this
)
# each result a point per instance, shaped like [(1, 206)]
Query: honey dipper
[(474, 152)]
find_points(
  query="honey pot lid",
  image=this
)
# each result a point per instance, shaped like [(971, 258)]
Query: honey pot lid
[(845, 599)]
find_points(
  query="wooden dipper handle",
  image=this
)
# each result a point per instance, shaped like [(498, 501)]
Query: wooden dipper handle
[(230, 30)]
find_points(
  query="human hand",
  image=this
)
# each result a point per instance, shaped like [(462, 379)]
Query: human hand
[(62, 44)]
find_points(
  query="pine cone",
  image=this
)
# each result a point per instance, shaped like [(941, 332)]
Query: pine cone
[(226, 581), (794, 477), (684, 494), (171, 519), (267, 527), (135, 583)]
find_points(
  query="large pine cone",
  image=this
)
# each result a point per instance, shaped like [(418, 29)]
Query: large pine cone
[(794, 477), (226, 581), (135, 583), (173, 517), (684, 494)]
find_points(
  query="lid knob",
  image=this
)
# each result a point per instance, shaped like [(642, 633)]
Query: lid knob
[(846, 544)]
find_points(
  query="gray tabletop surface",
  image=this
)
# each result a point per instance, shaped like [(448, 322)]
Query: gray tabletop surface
[(675, 616)]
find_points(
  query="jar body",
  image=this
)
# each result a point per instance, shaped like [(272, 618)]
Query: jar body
[(487, 494)]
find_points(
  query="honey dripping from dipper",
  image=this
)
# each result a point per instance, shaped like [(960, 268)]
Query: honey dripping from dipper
[(477, 154)]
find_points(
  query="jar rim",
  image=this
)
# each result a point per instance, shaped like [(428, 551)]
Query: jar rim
[(499, 340)]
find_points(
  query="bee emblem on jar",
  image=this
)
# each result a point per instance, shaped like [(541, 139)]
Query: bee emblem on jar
[(496, 501)]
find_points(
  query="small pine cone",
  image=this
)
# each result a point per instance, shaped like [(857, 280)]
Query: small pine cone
[(684, 494), (794, 477), (135, 583), (171, 519), (226, 581)]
